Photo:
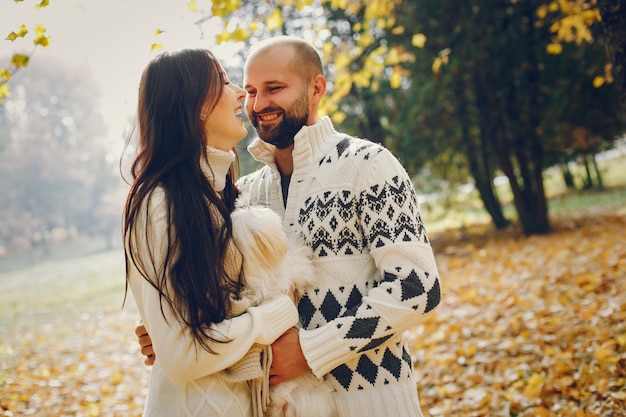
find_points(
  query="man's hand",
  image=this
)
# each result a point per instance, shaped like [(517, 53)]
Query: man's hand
[(288, 362), (146, 344)]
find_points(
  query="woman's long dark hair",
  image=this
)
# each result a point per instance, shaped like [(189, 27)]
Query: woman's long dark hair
[(175, 89)]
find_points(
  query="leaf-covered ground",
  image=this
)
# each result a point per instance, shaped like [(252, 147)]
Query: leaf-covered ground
[(528, 326)]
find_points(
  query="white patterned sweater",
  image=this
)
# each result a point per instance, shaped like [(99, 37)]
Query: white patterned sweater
[(352, 202)]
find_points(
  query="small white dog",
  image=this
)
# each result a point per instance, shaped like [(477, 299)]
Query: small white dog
[(272, 267)]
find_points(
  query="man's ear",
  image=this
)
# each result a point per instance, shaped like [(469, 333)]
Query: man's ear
[(319, 87)]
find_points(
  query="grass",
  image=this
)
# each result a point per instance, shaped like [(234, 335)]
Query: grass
[(66, 289)]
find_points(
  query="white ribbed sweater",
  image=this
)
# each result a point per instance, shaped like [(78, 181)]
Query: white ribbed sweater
[(186, 380), (352, 202)]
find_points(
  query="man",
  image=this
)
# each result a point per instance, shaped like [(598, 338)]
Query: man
[(352, 202)]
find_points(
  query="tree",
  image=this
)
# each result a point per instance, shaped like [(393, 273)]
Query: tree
[(53, 168)]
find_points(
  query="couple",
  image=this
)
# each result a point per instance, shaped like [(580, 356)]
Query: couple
[(346, 198)]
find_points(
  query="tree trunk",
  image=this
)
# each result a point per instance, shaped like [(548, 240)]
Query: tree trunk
[(598, 173), (568, 178), (481, 172), (589, 181), (484, 185)]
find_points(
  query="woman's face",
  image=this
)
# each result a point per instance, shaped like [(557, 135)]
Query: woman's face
[(224, 127)]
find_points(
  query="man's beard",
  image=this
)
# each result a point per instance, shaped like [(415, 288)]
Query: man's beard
[(294, 119)]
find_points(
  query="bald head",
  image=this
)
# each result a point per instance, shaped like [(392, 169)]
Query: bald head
[(303, 57)]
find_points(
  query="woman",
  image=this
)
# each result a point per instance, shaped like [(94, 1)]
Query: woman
[(182, 267)]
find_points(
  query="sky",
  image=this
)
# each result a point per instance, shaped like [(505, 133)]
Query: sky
[(111, 39)]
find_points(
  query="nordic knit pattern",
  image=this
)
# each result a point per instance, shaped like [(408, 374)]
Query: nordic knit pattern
[(186, 380), (352, 202)]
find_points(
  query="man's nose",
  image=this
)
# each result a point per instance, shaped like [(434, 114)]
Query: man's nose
[(260, 102)]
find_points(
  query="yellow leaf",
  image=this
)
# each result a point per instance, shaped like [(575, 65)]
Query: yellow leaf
[(338, 117), (365, 40), (156, 47), (605, 355), (42, 4), (275, 20), (11, 36), (327, 48), (223, 37), (598, 81), (5, 74), (398, 30), (342, 91), (158, 32), (534, 386), (554, 48), (342, 61), (396, 78), (542, 12), (418, 40), (240, 35), (117, 378), (362, 78), (222, 8), (4, 91), (541, 412), (19, 60), (192, 6), (553, 6), (40, 36)]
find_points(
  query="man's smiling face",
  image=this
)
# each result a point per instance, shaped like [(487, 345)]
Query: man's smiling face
[(277, 100)]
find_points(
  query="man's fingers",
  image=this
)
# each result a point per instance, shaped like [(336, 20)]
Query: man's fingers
[(147, 351), (145, 341), (140, 331)]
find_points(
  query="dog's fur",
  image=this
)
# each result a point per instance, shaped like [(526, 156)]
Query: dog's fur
[(273, 266)]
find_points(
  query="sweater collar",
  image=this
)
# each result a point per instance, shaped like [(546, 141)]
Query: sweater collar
[(310, 142), (216, 166)]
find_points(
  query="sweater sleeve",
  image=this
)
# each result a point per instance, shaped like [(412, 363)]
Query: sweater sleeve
[(407, 285), (180, 356)]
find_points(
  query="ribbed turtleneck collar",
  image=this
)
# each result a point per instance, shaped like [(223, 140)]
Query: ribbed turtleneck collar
[(307, 143), (216, 166)]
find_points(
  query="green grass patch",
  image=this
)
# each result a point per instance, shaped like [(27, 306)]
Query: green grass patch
[(462, 210), (65, 288)]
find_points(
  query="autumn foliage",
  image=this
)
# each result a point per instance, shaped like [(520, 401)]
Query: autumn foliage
[(528, 326)]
